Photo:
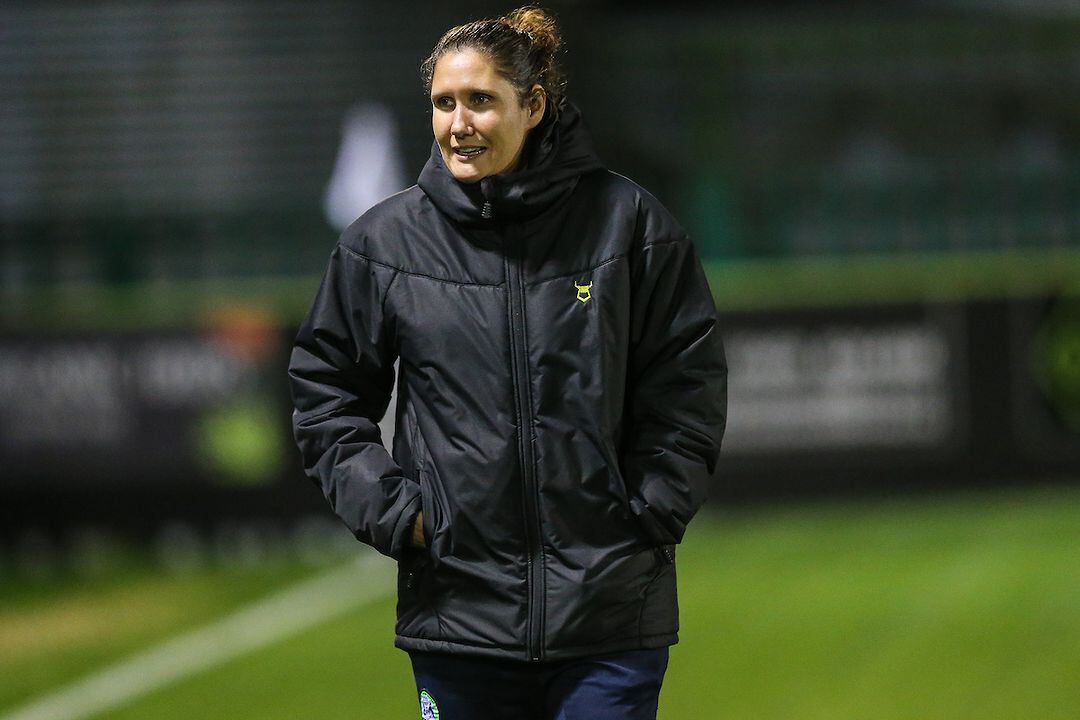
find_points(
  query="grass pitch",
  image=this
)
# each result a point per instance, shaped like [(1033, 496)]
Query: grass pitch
[(961, 606)]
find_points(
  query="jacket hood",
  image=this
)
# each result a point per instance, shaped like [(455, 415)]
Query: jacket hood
[(556, 154)]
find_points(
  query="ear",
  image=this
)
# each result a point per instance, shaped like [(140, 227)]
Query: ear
[(536, 103)]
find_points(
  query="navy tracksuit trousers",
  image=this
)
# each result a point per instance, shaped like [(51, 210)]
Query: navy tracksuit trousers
[(613, 686)]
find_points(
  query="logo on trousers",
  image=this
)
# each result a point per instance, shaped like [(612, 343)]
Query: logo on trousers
[(428, 709)]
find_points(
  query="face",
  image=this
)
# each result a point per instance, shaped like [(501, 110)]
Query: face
[(477, 118)]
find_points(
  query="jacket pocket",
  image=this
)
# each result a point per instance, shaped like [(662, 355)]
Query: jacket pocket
[(646, 523), (666, 553), (428, 498), (412, 579), (436, 519), (414, 569), (639, 515), (429, 504)]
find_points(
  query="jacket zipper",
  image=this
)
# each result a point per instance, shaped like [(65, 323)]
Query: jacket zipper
[(519, 358)]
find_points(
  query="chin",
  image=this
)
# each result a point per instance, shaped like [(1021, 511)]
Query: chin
[(469, 176), (466, 174)]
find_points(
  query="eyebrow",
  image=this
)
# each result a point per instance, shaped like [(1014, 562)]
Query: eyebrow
[(467, 91)]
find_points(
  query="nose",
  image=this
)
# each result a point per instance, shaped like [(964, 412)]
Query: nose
[(461, 125)]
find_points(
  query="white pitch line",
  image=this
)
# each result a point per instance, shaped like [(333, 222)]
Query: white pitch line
[(276, 617)]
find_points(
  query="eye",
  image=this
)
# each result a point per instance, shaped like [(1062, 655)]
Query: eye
[(443, 103), (481, 99)]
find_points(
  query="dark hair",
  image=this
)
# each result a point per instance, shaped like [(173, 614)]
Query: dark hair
[(523, 45)]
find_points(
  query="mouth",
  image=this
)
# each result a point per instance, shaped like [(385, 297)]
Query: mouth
[(469, 152)]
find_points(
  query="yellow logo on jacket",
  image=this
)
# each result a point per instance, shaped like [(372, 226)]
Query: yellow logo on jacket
[(583, 293)]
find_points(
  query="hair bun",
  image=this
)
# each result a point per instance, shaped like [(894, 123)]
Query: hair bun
[(538, 23)]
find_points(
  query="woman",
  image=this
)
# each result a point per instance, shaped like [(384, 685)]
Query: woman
[(562, 393)]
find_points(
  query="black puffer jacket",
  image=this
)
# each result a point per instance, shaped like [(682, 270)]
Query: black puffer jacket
[(561, 400)]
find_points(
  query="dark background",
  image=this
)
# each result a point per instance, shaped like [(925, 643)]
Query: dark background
[(886, 197)]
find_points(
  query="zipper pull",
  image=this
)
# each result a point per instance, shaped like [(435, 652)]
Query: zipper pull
[(485, 212)]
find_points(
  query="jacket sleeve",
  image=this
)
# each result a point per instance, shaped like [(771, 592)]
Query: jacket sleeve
[(677, 388), (341, 375)]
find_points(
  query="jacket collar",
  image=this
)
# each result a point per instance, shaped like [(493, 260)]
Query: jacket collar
[(556, 154)]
